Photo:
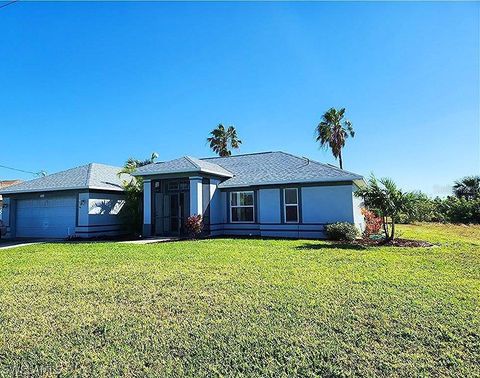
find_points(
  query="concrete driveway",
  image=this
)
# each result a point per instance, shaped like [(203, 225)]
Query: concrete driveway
[(7, 244)]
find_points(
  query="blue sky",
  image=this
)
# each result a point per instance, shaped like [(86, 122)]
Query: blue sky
[(99, 82)]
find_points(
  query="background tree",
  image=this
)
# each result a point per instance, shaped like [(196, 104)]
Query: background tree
[(467, 188), (383, 197), (333, 131), (132, 212), (222, 140)]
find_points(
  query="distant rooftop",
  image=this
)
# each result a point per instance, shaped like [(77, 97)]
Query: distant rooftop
[(90, 176), (6, 183)]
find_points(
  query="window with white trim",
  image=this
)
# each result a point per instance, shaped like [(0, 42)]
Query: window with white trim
[(290, 205), (242, 207)]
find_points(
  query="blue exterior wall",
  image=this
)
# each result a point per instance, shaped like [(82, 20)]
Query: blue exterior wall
[(318, 206), (100, 214), (327, 204), (269, 205)]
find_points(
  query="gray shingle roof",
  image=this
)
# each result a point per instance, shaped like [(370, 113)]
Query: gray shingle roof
[(90, 176), (180, 165), (267, 168), (264, 168)]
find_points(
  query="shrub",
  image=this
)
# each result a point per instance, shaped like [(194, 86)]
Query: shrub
[(342, 231), (460, 210), (373, 223), (194, 225), (386, 199), (419, 208)]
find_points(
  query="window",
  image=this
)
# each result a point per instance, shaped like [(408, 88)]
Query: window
[(290, 200), (175, 186), (242, 207)]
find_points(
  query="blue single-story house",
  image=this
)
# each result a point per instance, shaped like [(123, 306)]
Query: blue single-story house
[(272, 194)]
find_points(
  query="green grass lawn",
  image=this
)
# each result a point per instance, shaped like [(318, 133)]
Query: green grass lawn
[(231, 307)]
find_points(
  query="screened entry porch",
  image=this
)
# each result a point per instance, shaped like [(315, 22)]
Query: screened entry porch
[(171, 207)]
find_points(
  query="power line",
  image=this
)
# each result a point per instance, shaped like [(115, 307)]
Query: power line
[(41, 173), (8, 3)]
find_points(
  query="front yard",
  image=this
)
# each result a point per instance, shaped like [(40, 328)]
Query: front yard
[(243, 307)]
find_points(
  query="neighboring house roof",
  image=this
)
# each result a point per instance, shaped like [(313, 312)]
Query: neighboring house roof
[(182, 165), (7, 183), (264, 168), (90, 176)]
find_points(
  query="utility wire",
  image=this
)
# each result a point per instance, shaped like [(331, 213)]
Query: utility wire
[(41, 173), (8, 3)]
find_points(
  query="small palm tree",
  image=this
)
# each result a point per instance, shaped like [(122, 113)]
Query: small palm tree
[(221, 140), (385, 198), (333, 131), (132, 164), (132, 213), (468, 187)]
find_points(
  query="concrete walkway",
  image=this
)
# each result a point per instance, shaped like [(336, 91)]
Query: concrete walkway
[(150, 240)]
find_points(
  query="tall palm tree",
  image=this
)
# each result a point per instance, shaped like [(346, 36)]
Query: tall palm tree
[(221, 140), (333, 131), (468, 187)]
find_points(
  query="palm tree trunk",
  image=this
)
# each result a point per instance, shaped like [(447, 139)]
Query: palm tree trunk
[(340, 159), (385, 226)]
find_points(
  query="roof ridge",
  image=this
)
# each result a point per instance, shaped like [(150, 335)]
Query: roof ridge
[(333, 167), (232, 156), (320, 163), (89, 172), (189, 158)]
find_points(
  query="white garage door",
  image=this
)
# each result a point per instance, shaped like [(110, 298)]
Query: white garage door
[(46, 217)]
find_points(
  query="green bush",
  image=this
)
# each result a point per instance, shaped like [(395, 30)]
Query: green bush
[(421, 208), (342, 231)]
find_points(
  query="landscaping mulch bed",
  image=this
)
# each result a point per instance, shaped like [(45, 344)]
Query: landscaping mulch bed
[(395, 243)]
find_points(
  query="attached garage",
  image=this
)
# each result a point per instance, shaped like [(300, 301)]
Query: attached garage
[(83, 202), (46, 218)]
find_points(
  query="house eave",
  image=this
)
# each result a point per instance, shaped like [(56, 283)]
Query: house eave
[(5, 193), (345, 180), (187, 171)]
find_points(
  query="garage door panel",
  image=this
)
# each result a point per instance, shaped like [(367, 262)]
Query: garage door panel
[(49, 218)]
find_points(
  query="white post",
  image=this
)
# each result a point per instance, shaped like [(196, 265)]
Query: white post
[(147, 207), (196, 196)]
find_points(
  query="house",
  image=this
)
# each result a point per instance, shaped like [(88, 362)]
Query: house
[(4, 184), (273, 194), (84, 201)]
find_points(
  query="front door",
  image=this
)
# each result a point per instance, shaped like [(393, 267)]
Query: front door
[(175, 213), (171, 219)]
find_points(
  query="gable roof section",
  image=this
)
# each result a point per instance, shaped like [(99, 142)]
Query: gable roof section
[(270, 168), (185, 164), (90, 176)]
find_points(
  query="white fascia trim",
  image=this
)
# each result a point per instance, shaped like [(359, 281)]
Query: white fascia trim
[(216, 173)]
